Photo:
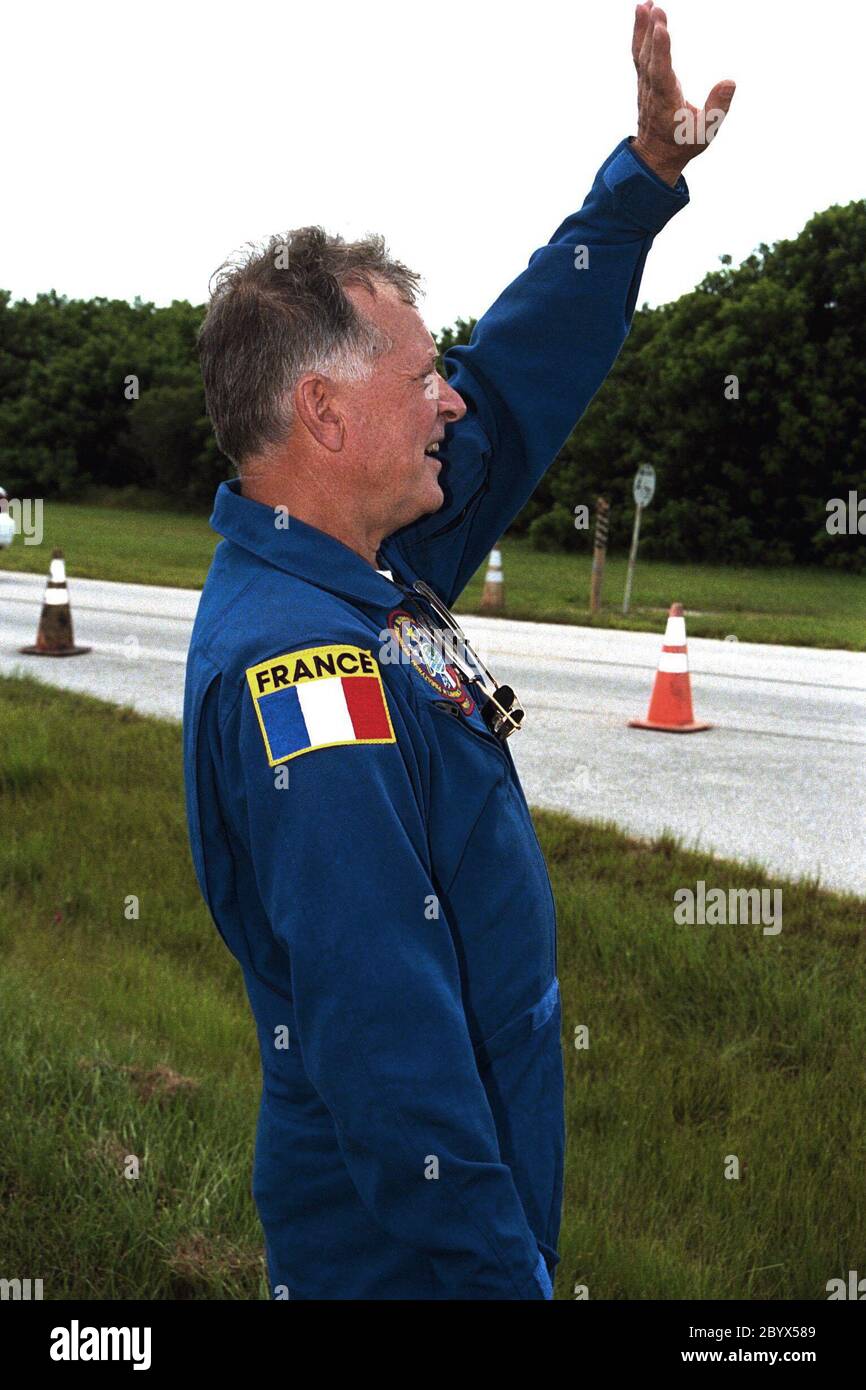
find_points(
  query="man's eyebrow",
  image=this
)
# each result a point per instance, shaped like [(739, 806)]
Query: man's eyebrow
[(429, 362)]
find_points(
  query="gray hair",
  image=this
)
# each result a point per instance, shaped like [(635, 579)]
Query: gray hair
[(281, 311)]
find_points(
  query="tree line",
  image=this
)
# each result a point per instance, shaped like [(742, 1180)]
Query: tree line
[(747, 395)]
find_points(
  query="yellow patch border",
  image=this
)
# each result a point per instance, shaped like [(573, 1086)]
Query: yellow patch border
[(308, 652)]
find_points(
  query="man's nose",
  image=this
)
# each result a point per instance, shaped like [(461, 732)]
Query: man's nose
[(451, 404)]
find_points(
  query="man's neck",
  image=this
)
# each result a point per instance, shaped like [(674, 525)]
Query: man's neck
[(322, 513)]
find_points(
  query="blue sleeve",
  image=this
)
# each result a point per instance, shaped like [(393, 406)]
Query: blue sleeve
[(343, 869), (534, 363)]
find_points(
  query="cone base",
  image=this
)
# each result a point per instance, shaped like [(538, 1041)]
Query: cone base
[(492, 605), (694, 728), (64, 651)]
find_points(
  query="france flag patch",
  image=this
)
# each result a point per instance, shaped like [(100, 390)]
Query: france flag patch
[(318, 698)]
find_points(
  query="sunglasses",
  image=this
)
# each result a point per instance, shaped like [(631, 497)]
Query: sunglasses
[(501, 711)]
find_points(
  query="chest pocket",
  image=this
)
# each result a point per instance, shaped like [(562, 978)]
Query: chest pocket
[(470, 781), (471, 729)]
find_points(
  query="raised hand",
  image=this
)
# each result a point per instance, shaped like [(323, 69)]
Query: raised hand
[(671, 131)]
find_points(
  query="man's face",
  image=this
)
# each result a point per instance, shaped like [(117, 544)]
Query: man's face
[(395, 417)]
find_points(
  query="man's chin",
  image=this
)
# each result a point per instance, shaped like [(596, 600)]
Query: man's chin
[(429, 502), (437, 498)]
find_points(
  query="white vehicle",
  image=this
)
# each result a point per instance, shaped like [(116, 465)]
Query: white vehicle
[(7, 525)]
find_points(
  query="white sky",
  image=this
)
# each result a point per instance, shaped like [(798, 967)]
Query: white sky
[(144, 142)]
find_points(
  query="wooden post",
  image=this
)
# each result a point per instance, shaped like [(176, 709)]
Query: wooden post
[(602, 522)]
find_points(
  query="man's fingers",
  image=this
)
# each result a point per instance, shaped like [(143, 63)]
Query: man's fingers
[(661, 53), (641, 23), (721, 96), (646, 48), (663, 79)]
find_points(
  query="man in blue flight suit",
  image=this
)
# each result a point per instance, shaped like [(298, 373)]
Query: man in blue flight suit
[(357, 826)]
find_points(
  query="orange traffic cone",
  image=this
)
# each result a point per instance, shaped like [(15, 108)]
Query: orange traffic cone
[(670, 708), (54, 636), (493, 598)]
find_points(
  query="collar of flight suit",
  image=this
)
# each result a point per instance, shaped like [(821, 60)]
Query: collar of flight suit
[(302, 550)]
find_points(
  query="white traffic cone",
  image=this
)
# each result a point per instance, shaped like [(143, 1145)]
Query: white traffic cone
[(54, 636)]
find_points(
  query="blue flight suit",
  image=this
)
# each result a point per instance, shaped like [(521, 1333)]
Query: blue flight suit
[(363, 843)]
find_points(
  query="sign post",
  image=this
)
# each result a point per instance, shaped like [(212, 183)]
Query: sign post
[(642, 490)]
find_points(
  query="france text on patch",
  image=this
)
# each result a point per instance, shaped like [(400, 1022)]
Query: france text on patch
[(318, 698)]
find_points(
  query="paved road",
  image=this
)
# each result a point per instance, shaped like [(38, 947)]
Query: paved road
[(779, 779)]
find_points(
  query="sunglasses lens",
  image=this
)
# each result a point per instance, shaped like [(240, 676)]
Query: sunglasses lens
[(501, 713)]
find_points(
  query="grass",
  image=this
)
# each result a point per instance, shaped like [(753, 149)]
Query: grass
[(121, 1036), (124, 544), (794, 606), (131, 1036), (705, 1042), (797, 606)]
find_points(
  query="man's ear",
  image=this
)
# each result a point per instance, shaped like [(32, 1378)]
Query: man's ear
[(314, 408)]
